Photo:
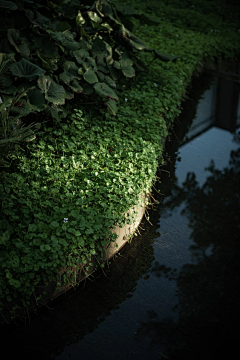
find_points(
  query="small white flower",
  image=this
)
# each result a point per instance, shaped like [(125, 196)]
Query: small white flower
[(65, 220), (155, 84), (126, 99), (177, 35)]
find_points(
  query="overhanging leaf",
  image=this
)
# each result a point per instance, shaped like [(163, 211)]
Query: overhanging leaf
[(75, 86), (36, 98), (99, 47), (46, 47), (101, 64), (112, 107), (101, 76), (54, 111), (10, 90), (24, 50), (20, 43), (110, 82), (126, 66), (66, 39), (24, 68), (13, 38), (115, 74), (53, 92), (80, 55), (72, 69), (90, 76), (22, 110), (104, 90), (136, 43)]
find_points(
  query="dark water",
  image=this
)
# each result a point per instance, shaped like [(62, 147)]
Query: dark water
[(173, 293)]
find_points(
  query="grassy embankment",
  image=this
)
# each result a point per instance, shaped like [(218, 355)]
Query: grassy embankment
[(81, 175)]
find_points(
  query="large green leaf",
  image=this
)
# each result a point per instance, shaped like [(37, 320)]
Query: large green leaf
[(89, 63), (101, 76), (22, 109), (54, 111), (24, 50), (66, 39), (10, 90), (75, 86), (115, 74), (110, 82), (36, 99), (24, 68), (70, 76), (60, 26), (8, 5), (46, 47), (53, 92), (20, 43), (13, 38), (65, 78), (72, 69), (104, 90), (99, 47), (24, 87), (127, 69), (90, 76), (117, 65), (112, 107), (80, 55), (101, 64), (136, 43)]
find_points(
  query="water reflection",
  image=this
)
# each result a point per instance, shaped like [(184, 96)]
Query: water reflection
[(208, 284)]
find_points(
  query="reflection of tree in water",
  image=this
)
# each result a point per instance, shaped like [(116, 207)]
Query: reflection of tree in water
[(208, 289)]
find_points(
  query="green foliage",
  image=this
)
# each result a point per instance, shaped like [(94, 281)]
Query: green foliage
[(61, 201), (13, 131), (64, 49), (63, 193)]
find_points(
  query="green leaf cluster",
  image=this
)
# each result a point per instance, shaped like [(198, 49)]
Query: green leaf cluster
[(66, 49), (65, 195)]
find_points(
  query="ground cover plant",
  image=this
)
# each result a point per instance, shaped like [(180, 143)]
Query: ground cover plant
[(52, 52), (67, 188)]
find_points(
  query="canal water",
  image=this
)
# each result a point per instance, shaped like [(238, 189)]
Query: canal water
[(173, 292)]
